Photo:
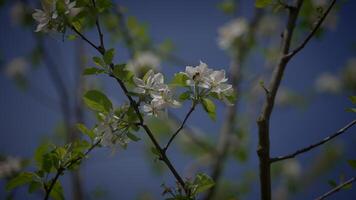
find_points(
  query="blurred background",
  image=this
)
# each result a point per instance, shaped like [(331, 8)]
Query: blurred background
[(41, 87)]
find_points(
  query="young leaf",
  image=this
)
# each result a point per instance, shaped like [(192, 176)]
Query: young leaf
[(179, 79), (133, 137), (40, 152), (57, 191), (99, 62), (185, 95), (92, 71), (353, 99), (123, 74), (209, 107), (82, 128), (352, 163), (204, 182), (97, 101), (108, 56), (19, 180), (34, 186), (262, 3)]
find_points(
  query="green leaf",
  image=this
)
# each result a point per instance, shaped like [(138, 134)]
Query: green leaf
[(352, 163), (351, 110), (72, 37), (34, 186), (97, 101), (108, 56), (185, 95), (353, 99), (57, 191), (19, 180), (99, 62), (82, 128), (209, 107), (204, 182), (179, 79), (332, 183), (155, 151), (133, 137), (227, 6), (262, 3), (40, 152), (93, 70), (122, 73)]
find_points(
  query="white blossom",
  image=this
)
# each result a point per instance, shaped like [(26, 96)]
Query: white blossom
[(109, 133), (49, 19), (45, 16), (155, 107), (9, 166), (164, 95), (16, 67), (150, 82), (144, 60), (209, 81), (199, 75), (291, 169), (327, 82), (158, 96), (217, 82), (232, 31)]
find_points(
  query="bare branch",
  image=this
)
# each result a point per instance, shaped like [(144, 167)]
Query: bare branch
[(336, 189), (263, 150), (193, 136), (98, 28), (85, 39), (310, 147), (312, 33), (181, 126)]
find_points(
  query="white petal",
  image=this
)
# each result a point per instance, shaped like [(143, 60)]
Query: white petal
[(139, 90), (139, 82)]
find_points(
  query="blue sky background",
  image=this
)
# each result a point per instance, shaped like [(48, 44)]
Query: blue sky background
[(192, 26)]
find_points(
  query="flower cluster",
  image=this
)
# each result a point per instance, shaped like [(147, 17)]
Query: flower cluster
[(209, 81), (111, 131), (153, 89), (9, 166), (51, 17), (232, 31)]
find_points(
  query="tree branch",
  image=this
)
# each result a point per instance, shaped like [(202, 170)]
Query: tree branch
[(181, 126), (312, 33), (336, 189), (65, 167), (98, 28), (263, 150), (133, 103), (310, 147)]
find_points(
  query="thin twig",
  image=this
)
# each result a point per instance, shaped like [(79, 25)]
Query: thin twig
[(336, 189), (312, 33), (180, 127), (193, 136), (310, 147), (65, 167), (85, 38), (98, 28), (133, 103)]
